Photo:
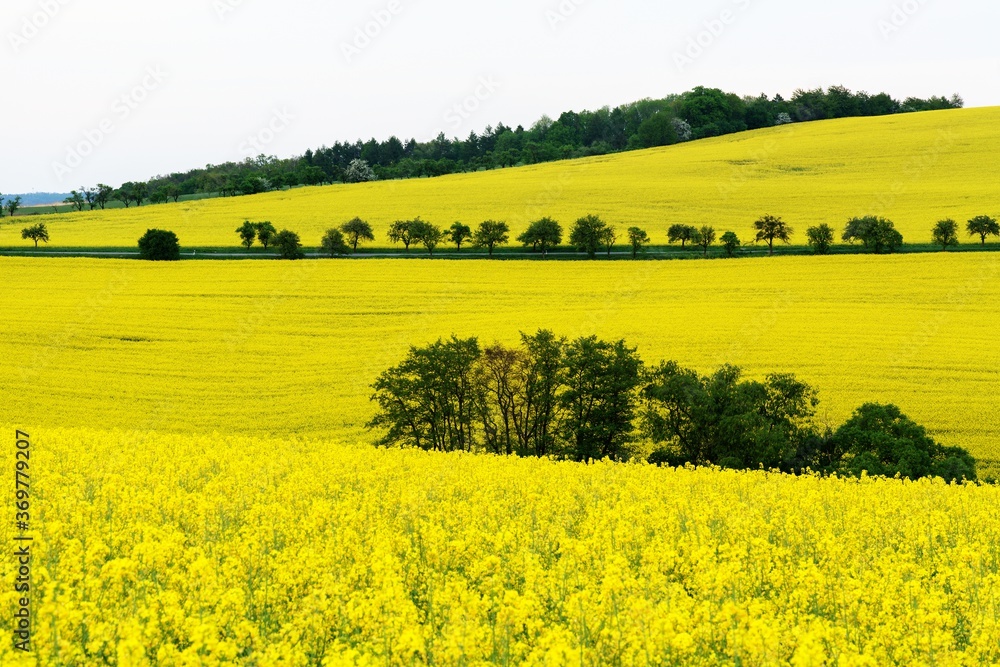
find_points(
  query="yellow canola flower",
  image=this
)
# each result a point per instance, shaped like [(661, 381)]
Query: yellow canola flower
[(311, 552)]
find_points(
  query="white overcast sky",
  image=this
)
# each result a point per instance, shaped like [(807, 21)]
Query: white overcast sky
[(230, 70)]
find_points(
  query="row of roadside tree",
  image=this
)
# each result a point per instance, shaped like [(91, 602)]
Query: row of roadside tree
[(593, 235)]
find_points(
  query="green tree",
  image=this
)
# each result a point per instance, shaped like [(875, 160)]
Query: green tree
[(266, 233), (89, 196), (357, 230), (430, 400), (159, 245), (608, 238), (543, 235), (248, 234), (426, 234), (537, 424), (881, 440), (877, 234), (12, 205), (491, 234), (104, 194), (820, 238), (682, 234), (704, 238), (638, 239), (333, 242), (459, 234), (36, 233), (76, 200), (730, 243), (598, 398), (945, 233), (658, 130), (770, 228), (589, 234), (288, 245), (983, 226), (399, 232), (724, 420)]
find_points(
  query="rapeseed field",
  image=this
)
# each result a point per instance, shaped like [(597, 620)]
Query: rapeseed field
[(913, 168), (173, 549), (271, 348)]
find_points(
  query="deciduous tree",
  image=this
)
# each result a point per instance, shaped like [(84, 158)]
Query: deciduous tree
[(357, 230), (491, 234), (543, 235), (770, 228)]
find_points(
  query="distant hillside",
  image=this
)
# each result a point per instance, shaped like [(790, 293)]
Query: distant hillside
[(40, 198), (913, 168)]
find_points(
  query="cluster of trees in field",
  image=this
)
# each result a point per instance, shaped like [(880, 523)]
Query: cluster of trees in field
[(589, 399), (592, 235), (696, 114)]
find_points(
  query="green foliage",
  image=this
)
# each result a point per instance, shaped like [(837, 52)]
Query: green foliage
[(704, 238), (820, 238), (428, 235), (458, 234), (543, 235), (701, 112), (430, 401), (876, 233), (491, 234), (13, 205), (248, 234), (945, 233), (731, 243), (36, 233), (76, 199), (770, 229), (265, 233), (638, 239), (725, 420), (657, 130), (357, 230), (400, 232), (598, 401), (288, 245), (334, 243), (682, 234), (159, 245), (881, 440), (591, 399), (589, 233), (983, 226)]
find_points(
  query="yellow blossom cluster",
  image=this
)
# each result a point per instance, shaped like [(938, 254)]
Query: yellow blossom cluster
[(155, 549)]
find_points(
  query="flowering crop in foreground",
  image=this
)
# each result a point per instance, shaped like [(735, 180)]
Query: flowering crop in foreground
[(183, 549)]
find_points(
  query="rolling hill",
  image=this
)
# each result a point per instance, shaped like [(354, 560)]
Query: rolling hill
[(912, 168)]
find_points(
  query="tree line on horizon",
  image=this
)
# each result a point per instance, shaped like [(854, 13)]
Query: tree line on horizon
[(589, 399), (592, 235), (696, 114)]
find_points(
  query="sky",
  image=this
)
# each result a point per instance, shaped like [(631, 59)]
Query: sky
[(116, 90)]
